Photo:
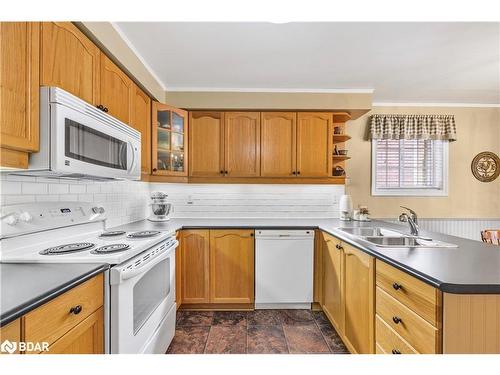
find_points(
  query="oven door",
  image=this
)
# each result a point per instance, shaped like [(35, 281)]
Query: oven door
[(143, 301), (91, 145)]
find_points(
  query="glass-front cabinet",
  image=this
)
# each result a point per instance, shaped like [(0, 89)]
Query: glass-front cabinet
[(170, 129)]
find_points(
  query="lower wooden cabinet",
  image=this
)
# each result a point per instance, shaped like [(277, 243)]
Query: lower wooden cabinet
[(11, 332), (359, 288), (194, 248), (85, 338), (217, 266), (232, 266), (333, 281)]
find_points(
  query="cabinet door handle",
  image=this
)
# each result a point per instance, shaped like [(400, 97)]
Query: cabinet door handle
[(395, 351), (221, 172), (397, 286), (293, 173), (396, 319), (298, 172), (105, 109), (100, 106), (226, 172), (76, 310), (154, 169)]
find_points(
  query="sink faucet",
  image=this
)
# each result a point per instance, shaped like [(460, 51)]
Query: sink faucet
[(411, 219)]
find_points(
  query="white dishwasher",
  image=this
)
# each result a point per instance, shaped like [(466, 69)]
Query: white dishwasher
[(284, 269)]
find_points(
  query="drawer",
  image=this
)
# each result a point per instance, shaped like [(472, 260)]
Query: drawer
[(418, 296), (11, 332), (419, 333), (388, 341), (52, 320)]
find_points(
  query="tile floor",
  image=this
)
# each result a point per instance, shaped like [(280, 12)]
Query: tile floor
[(254, 332)]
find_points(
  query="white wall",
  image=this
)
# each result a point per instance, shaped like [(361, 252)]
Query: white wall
[(252, 201)]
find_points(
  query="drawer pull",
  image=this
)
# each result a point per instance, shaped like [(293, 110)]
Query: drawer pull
[(397, 286), (395, 351), (76, 310), (396, 319)]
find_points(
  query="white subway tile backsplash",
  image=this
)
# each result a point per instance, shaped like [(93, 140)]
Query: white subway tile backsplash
[(11, 187), (58, 188), (16, 199), (77, 189), (34, 188)]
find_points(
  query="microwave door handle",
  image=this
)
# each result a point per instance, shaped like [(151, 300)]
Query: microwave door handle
[(132, 156)]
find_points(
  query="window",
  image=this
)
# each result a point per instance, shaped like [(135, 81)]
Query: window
[(409, 167)]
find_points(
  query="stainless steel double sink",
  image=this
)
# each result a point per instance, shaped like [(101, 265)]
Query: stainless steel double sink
[(388, 238)]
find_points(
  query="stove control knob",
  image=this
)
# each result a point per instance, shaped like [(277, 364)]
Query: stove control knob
[(11, 220), (26, 217), (98, 210)]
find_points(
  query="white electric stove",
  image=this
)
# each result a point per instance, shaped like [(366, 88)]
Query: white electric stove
[(140, 285)]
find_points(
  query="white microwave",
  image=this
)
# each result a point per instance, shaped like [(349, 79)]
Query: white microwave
[(78, 140)]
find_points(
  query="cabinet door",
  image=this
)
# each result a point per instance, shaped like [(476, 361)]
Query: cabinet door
[(170, 144), (333, 305), (206, 140), (117, 90), (141, 121), (314, 144), (359, 297), (278, 144), (11, 332), (195, 266), (232, 266), (19, 85), (242, 144), (86, 338), (69, 60)]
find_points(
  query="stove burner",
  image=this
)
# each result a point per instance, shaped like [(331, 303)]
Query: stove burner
[(144, 234), (67, 249), (114, 248), (112, 233)]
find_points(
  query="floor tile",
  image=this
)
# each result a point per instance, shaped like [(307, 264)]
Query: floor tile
[(266, 340), (226, 340), (189, 340), (296, 317), (264, 318), (305, 338), (332, 339), (230, 318), (194, 318), (320, 317)]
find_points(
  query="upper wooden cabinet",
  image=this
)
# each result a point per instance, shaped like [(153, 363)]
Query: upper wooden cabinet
[(232, 266), (333, 281), (170, 144), (242, 144), (359, 297), (140, 120), (116, 90), (314, 144), (206, 144), (19, 92), (195, 257), (278, 144), (69, 60)]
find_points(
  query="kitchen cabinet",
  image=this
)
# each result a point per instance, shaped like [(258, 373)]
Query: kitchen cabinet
[(242, 144), (206, 144), (11, 332), (232, 266), (314, 144), (333, 282), (19, 92), (195, 258), (359, 299), (69, 60), (140, 120), (169, 137), (278, 144), (116, 90)]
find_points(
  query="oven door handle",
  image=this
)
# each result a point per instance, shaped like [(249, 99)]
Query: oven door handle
[(120, 273)]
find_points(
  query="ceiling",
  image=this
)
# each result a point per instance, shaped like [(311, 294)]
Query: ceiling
[(401, 62)]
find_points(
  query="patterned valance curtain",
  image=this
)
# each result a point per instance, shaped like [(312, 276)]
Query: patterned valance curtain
[(435, 127)]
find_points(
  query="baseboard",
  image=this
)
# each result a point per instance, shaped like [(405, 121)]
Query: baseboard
[(218, 307), (281, 306)]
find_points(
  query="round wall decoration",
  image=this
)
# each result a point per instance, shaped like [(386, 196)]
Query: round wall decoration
[(486, 166)]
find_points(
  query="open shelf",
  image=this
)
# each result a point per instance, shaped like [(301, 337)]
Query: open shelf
[(340, 157), (340, 138)]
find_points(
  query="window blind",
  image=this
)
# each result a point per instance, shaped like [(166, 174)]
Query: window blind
[(409, 164)]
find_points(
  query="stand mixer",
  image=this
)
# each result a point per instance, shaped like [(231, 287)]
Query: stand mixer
[(160, 207)]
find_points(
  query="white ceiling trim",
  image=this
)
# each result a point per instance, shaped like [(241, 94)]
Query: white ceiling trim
[(397, 104), (283, 90), (139, 56)]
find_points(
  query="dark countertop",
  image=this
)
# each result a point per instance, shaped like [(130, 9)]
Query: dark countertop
[(471, 268), (25, 286)]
